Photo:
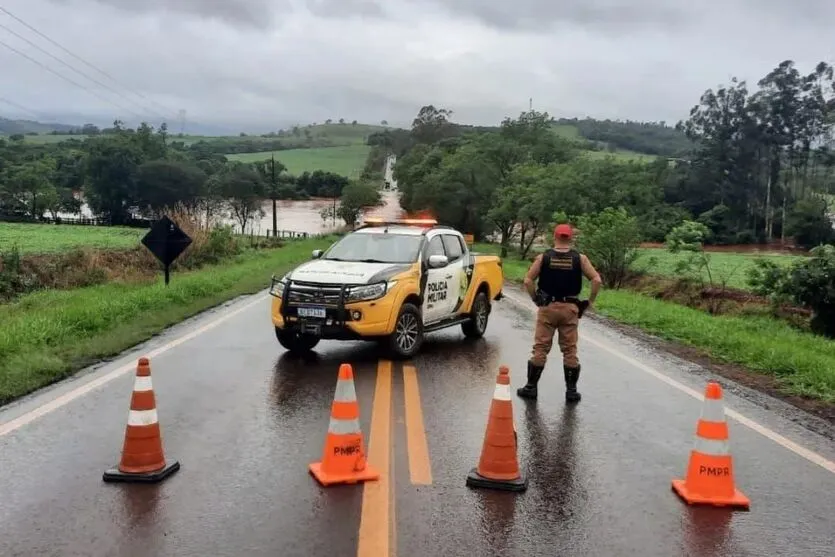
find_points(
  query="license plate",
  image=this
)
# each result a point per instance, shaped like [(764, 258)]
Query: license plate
[(312, 312)]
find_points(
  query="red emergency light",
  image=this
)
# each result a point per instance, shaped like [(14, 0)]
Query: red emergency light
[(377, 221)]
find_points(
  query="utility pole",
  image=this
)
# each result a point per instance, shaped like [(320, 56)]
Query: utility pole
[(274, 195), (530, 104)]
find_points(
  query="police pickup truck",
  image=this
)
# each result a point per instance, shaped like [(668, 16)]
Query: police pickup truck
[(389, 281)]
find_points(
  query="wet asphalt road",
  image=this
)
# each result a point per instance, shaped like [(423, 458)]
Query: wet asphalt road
[(244, 420)]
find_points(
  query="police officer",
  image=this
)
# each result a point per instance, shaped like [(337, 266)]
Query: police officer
[(560, 271)]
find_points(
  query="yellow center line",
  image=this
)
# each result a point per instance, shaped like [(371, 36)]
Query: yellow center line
[(420, 468), (375, 519)]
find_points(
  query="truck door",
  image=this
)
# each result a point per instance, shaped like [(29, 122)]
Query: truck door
[(458, 280), (436, 291)]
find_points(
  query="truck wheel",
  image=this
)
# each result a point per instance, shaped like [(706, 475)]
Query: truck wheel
[(407, 337), (296, 343), (477, 324)]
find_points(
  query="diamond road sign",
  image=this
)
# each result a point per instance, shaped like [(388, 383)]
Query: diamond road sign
[(166, 241)]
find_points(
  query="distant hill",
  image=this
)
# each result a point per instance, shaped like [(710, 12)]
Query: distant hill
[(11, 127), (652, 138)]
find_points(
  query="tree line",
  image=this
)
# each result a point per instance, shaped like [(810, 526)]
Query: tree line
[(129, 173), (760, 168)]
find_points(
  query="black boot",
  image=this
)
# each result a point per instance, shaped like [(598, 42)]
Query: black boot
[(529, 390), (572, 375)]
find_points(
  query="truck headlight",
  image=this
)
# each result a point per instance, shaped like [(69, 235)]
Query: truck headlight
[(368, 292), (277, 286)]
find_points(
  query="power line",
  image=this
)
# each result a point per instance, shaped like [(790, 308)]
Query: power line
[(144, 108), (104, 73), (19, 107), (47, 68)]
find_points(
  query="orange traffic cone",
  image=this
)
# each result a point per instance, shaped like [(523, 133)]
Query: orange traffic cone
[(498, 467), (343, 458), (142, 456), (710, 472)]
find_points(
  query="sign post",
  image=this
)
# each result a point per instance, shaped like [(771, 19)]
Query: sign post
[(167, 242)]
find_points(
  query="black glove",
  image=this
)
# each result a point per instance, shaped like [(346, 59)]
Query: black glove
[(582, 306)]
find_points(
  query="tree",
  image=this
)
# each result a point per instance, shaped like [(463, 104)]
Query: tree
[(355, 197), (431, 124), (244, 190), (111, 168), (610, 240), (164, 184)]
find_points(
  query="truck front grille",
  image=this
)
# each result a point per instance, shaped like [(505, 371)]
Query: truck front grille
[(326, 295)]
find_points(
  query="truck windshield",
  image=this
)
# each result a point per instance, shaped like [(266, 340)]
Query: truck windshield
[(376, 248)]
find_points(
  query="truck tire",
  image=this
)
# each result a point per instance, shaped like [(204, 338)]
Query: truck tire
[(407, 337), (480, 312), (296, 343)]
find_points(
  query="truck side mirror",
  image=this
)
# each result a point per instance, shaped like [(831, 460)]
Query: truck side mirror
[(317, 253), (438, 261)]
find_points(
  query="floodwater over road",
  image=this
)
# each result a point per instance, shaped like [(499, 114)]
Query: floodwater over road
[(244, 419), (295, 216)]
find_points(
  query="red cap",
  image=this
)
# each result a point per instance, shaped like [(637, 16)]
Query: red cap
[(563, 230)]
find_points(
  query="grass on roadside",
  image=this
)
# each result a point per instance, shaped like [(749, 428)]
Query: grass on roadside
[(48, 335), (803, 363)]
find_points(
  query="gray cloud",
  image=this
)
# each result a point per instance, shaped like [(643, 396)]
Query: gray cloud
[(247, 13), (616, 16), (262, 64)]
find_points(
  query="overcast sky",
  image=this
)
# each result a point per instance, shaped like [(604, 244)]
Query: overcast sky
[(263, 64)]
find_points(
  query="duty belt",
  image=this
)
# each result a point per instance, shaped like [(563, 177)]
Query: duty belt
[(542, 299), (545, 299)]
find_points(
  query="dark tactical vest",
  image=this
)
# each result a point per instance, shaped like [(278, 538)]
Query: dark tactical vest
[(561, 275)]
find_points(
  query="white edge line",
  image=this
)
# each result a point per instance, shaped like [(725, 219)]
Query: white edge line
[(66, 398), (799, 450)]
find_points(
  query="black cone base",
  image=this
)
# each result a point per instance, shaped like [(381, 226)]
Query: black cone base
[(474, 479), (115, 475)]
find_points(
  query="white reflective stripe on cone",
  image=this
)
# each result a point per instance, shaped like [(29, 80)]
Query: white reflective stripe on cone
[(345, 391), (344, 427), (711, 447), (713, 410), (142, 417), (142, 384), (502, 392)]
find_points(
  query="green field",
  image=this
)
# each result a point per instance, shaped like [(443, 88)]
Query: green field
[(50, 334), (347, 161), (567, 131), (731, 268), (621, 155), (50, 238), (345, 134)]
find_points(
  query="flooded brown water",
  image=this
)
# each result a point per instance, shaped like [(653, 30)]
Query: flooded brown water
[(304, 216)]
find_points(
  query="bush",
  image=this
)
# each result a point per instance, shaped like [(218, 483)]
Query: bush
[(610, 240), (809, 223), (810, 283)]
